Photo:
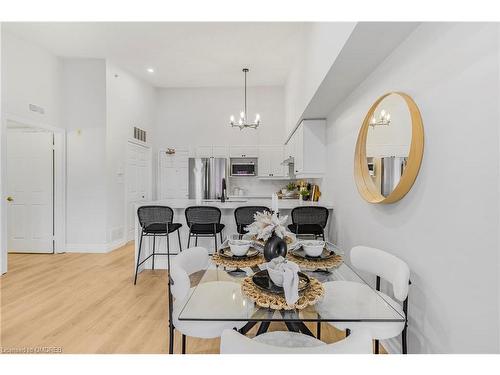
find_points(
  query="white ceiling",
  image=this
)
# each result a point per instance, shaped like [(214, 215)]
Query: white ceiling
[(182, 54)]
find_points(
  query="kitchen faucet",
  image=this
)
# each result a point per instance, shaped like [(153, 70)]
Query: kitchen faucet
[(223, 195)]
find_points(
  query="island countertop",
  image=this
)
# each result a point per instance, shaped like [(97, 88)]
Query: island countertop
[(231, 204)]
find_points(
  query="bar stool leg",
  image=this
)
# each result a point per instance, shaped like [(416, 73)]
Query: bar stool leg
[(138, 259), (154, 245), (189, 237), (183, 344), (179, 238), (196, 240), (318, 331), (168, 246)]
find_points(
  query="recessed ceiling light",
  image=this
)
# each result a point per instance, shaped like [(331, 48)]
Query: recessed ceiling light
[(150, 70)]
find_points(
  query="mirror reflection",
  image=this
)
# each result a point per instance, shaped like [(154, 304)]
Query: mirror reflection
[(388, 143)]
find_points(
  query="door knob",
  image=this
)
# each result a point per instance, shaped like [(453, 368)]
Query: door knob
[(10, 199)]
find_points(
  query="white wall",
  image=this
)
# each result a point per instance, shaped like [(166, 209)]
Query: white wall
[(84, 115), (130, 102), (320, 45), (446, 228), (31, 75)]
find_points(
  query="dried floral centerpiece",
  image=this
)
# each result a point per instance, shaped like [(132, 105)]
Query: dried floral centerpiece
[(271, 230)]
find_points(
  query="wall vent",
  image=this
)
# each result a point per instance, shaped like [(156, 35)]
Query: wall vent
[(36, 108), (139, 134)]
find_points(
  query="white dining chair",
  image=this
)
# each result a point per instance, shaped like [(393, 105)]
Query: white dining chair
[(278, 342), (183, 265), (391, 269)]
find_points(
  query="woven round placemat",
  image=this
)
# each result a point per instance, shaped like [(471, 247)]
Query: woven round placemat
[(277, 301), (238, 263), (310, 264)]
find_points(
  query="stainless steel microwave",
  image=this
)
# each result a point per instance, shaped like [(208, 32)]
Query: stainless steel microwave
[(243, 167)]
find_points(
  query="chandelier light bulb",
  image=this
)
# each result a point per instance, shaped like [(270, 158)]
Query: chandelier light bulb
[(382, 113), (242, 114), (231, 119), (257, 117)]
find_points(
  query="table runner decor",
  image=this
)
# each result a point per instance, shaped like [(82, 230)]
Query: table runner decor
[(274, 301), (313, 264), (237, 263)]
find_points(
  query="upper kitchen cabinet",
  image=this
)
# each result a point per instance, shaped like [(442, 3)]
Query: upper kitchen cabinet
[(244, 151), (270, 159), (307, 146), (211, 152)]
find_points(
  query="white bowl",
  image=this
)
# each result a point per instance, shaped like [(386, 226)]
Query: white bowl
[(313, 248), (240, 247), (276, 276)]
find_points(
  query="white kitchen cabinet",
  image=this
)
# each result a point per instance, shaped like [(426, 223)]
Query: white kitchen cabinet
[(173, 174), (243, 151), (270, 158), (308, 145), (204, 151), (219, 151)]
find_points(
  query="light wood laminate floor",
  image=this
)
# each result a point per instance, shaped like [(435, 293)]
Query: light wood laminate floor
[(87, 303)]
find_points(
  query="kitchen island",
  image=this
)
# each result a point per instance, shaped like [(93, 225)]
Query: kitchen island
[(227, 208)]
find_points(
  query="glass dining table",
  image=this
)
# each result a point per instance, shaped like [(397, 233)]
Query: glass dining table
[(217, 296)]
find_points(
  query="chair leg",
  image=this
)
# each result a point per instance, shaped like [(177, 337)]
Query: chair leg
[(138, 259), (318, 330), (189, 237), (183, 344), (377, 347), (154, 245), (196, 240), (171, 339), (215, 238), (347, 332), (168, 245), (404, 341), (221, 240), (179, 238)]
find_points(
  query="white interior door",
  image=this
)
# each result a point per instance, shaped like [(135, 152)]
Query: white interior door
[(30, 214), (138, 181)]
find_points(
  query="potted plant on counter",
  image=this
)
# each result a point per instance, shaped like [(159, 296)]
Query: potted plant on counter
[(304, 194)]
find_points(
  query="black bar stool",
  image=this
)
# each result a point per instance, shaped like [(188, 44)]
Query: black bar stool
[(204, 221), (309, 220), (156, 221), (245, 216)]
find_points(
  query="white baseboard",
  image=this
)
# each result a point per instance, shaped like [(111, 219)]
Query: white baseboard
[(94, 248), (87, 248)]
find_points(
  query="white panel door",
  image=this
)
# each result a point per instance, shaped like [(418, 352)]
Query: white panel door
[(30, 191), (138, 182)]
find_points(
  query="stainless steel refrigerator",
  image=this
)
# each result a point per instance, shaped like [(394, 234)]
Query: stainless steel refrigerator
[(206, 176)]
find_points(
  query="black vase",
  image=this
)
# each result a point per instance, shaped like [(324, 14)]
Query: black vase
[(274, 248)]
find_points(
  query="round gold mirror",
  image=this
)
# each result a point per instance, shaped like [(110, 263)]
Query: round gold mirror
[(389, 149)]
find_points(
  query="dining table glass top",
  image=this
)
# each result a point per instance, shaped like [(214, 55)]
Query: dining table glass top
[(216, 296)]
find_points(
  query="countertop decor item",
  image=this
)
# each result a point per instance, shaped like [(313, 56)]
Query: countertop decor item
[(312, 294), (386, 174), (243, 121)]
